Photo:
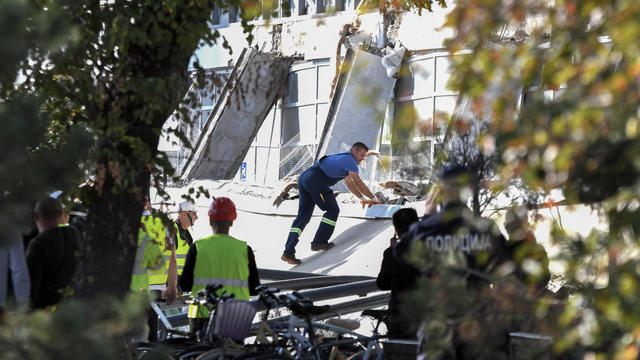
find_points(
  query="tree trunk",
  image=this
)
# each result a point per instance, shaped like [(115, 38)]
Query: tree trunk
[(110, 240)]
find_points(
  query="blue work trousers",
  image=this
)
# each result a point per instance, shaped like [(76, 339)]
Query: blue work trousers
[(314, 189)]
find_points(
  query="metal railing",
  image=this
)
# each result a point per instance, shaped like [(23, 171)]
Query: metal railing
[(318, 288), (316, 282), (270, 274)]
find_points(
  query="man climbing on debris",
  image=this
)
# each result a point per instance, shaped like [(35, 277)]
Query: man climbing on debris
[(314, 187)]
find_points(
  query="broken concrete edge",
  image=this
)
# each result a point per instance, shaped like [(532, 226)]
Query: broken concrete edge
[(278, 67)]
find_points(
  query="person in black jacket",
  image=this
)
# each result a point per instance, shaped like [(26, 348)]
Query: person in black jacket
[(187, 216), (393, 275), (50, 255)]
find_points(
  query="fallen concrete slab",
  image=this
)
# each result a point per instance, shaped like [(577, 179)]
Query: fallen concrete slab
[(237, 116), (358, 105)]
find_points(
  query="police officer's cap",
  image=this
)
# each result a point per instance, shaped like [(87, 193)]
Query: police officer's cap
[(454, 173)]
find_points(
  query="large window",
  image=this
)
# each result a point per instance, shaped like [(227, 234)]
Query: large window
[(422, 107), (288, 138), (422, 90), (224, 17), (304, 112)]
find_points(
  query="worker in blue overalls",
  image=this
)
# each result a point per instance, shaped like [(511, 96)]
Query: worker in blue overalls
[(314, 188)]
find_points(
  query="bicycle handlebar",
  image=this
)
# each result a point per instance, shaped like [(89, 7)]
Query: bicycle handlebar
[(209, 295), (298, 304), (301, 306)]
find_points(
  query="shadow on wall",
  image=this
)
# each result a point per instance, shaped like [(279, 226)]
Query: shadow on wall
[(347, 243)]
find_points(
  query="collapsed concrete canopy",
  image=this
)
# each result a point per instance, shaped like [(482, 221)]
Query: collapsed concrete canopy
[(237, 116), (358, 105)]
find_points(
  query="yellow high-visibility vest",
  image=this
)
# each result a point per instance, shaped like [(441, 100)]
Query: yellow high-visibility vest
[(148, 257), (158, 234), (181, 251), (224, 260)]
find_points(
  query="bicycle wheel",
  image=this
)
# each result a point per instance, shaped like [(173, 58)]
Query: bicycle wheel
[(262, 355), (221, 354), (192, 352), (363, 354), (153, 353)]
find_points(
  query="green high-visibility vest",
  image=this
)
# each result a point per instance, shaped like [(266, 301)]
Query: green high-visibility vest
[(156, 230), (221, 259), (148, 256), (181, 252)]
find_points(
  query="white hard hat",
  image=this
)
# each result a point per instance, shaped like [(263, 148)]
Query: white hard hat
[(187, 205)]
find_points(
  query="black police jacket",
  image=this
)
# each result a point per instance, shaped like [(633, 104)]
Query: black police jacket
[(458, 239)]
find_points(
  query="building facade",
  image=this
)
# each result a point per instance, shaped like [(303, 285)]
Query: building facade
[(318, 35)]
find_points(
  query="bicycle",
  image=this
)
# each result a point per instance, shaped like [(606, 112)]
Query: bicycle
[(299, 339), (261, 343), (190, 346)]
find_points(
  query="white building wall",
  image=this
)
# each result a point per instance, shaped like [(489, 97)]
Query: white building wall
[(424, 32)]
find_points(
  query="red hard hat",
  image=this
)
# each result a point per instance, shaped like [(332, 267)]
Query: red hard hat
[(222, 209)]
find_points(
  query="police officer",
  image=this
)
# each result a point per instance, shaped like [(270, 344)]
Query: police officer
[(219, 259), (526, 251), (314, 189), (459, 248)]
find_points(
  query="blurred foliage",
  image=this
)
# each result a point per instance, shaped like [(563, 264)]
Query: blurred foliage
[(75, 330), (575, 128), (399, 5), (121, 77), (463, 149), (38, 156)]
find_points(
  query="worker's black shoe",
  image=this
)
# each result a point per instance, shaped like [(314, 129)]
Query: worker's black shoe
[(291, 259), (321, 247)]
